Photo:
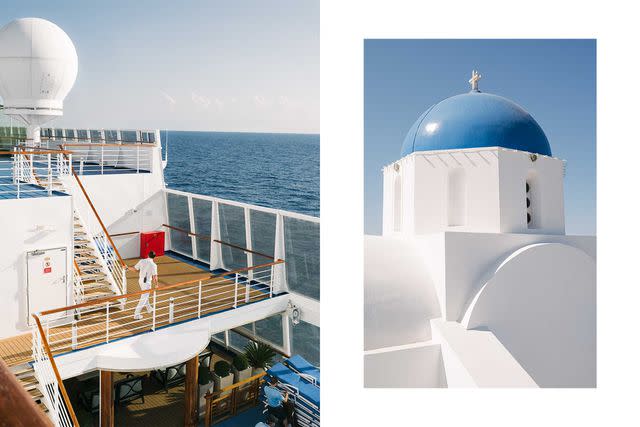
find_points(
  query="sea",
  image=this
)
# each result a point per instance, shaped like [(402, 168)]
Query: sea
[(276, 170), (280, 171)]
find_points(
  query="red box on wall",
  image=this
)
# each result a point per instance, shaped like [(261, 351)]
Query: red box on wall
[(151, 241)]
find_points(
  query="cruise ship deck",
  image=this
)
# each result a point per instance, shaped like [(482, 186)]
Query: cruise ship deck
[(171, 271)]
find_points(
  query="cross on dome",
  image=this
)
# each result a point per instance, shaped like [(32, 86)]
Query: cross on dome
[(475, 77)]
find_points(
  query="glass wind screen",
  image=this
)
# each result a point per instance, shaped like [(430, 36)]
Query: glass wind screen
[(263, 235), (128, 136), (70, 134), (178, 208), (111, 135), (302, 256), (58, 133), (202, 217), (96, 136), (238, 341), (232, 231), (148, 137), (305, 341), (270, 330), (82, 135), (218, 337)]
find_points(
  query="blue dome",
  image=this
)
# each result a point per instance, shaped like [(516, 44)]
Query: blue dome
[(474, 120)]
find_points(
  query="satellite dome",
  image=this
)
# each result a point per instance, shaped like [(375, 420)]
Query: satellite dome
[(38, 66), (474, 120)]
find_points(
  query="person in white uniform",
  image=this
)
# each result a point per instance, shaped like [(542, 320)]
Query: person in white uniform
[(148, 278)]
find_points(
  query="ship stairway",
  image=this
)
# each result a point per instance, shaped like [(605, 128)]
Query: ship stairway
[(27, 379), (97, 273)]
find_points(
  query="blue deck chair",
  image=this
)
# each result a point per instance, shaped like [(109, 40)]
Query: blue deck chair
[(305, 395), (305, 369)]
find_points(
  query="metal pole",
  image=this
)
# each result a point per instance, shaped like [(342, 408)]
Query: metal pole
[(247, 288), (107, 323), (199, 297), (171, 310), (49, 172), (102, 159), (153, 326), (235, 294), (74, 335)]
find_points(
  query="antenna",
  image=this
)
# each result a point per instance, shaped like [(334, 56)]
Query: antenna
[(166, 149)]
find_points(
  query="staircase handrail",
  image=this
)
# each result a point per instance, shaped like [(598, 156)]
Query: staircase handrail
[(95, 212), (102, 301), (56, 372)]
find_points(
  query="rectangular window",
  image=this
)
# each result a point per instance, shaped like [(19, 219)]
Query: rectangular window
[(305, 341), (263, 235), (178, 208), (202, 217), (302, 256)]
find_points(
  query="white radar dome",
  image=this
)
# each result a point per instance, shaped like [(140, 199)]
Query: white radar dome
[(38, 67)]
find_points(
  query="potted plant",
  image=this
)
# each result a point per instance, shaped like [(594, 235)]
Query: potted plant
[(222, 375), (241, 369), (205, 381), (259, 356)]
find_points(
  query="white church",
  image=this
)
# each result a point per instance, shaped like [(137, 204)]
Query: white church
[(474, 282)]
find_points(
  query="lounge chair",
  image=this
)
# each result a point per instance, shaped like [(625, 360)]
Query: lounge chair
[(90, 400), (299, 365), (170, 376), (305, 395), (129, 389)]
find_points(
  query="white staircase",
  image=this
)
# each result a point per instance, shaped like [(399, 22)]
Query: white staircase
[(92, 279), (27, 378), (97, 271)]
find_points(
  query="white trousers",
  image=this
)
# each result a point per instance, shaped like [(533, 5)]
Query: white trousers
[(144, 302)]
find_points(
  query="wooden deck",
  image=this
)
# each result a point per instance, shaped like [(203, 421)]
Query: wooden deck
[(91, 328)]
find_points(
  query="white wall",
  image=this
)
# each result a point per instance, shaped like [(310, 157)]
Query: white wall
[(19, 219), (541, 305), (473, 258), (494, 192), (514, 168), (414, 366), (125, 203), (400, 278), (476, 358)]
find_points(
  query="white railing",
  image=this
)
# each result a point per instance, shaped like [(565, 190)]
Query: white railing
[(113, 265), (147, 136), (106, 158), (170, 304), (25, 173), (183, 208), (48, 383)]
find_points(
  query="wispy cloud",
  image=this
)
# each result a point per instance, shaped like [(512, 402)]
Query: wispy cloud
[(259, 101), (200, 100), (168, 97), (283, 101)]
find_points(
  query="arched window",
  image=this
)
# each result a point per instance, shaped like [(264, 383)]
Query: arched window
[(397, 202), (532, 200), (457, 197)]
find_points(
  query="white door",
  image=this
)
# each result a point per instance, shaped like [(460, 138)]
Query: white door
[(46, 280)]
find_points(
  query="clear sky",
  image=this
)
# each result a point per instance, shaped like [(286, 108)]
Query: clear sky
[(245, 65), (554, 80)]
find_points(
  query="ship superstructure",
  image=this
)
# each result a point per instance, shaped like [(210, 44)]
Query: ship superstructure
[(78, 208)]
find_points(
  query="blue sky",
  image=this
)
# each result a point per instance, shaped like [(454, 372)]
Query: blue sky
[(554, 80), (195, 65)]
